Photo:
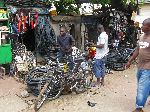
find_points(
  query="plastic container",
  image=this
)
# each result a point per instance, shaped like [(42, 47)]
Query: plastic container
[(53, 11), (5, 54), (1, 4)]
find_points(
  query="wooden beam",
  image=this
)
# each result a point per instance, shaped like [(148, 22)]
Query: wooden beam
[(60, 18)]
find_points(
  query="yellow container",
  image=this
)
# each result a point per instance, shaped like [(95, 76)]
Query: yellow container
[(53, 11), (65, 68)]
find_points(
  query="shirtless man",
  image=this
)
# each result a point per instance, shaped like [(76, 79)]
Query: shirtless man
[(143, 73)]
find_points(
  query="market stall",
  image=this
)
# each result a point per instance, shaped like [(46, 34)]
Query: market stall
[(25, 32), (5, 43)]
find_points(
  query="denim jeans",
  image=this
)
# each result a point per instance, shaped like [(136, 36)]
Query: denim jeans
[(143, 87), (99, 67), (61, 54)]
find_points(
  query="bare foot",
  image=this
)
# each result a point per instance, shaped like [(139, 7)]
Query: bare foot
[(102, 81), (98, 83), (149, 102)]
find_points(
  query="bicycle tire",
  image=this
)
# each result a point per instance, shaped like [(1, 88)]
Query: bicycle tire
[(56, 89), (37, 73), (80, 87), (89, 78), (84, 83), (44, 95), (41, 98)]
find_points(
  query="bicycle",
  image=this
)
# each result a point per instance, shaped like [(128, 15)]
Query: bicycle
[(76, 80)]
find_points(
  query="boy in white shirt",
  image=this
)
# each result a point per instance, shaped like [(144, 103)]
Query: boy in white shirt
[(100, 57)]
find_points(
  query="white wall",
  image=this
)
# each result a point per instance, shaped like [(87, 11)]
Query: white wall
[(145, 10), (144, 13)]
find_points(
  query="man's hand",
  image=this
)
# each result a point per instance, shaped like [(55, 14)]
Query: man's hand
[(92, 45), (127, 65), (69, 50), (62, 49)]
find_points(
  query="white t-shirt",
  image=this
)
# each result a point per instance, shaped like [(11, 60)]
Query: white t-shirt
[(101, 52)]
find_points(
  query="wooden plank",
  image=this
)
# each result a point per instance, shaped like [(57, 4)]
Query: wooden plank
[(60, 18)]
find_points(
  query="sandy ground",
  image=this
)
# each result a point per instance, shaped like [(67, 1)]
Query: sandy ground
[(118, 95)]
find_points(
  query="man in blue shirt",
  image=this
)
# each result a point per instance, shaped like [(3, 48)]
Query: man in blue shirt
[(65, 42)]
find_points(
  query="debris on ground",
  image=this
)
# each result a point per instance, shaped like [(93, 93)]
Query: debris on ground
[(91, 104)]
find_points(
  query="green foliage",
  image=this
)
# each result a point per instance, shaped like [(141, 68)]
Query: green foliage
[(66, 7), (69, 1), (102, 2)]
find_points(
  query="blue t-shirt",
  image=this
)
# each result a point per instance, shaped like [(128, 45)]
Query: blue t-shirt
[(65, 41)]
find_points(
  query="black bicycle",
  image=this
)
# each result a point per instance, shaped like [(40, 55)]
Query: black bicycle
[(117, 58), (76, 81)]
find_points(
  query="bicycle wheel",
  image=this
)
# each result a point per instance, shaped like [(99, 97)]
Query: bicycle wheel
[(51, 90), (55, 89), (80, 86), (39, 73), (85, 82), (41, 98), (88, 78)]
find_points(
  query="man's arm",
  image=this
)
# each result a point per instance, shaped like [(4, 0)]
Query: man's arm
[(60, 44), (101, 43), (98, 46), (135, 54), (72, 42)]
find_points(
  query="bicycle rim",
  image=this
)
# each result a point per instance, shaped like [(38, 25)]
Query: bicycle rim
[(39, 103), (41, 97), (55, 89), (88, 78)]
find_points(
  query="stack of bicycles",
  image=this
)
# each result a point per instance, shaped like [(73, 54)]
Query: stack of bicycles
[(117, 58), (49, 81)]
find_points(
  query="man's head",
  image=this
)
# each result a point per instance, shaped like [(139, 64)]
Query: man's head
[(100, 28), (146, 25), (63, 30)]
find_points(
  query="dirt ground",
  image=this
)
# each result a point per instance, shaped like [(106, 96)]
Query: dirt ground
[(118, 95)]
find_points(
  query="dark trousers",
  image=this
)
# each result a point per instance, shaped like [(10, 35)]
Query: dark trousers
[(68, 55)]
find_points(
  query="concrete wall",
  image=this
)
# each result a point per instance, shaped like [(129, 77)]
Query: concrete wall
[(144, 13), (145, 10), (56, 28), (72, 20)]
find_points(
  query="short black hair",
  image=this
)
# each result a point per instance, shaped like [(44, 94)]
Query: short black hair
[(147, 21), (100, 26), (63, 27)]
